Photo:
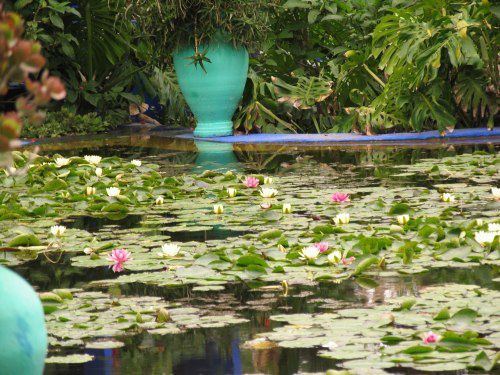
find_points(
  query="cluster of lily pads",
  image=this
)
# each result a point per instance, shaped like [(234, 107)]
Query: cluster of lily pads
[(210, 229), (446, 328)]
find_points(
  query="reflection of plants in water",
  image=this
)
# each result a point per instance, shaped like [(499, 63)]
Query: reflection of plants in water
[(260, 161)]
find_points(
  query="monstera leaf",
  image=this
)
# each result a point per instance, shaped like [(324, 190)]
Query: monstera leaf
[(305, 93)]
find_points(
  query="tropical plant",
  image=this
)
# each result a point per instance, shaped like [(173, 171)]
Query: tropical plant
[(91, 50), (441, 60)]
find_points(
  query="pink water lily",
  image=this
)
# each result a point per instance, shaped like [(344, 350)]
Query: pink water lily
[(347, 261), (119, 257), (339, 197), (251, 182), (321, 246), (430, 338)]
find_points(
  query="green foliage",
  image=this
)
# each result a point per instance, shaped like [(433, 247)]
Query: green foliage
[(66, 122), (197, 21), (394, 65), (90, 48)]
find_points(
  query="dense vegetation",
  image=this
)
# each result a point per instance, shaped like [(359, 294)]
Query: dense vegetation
[(317, 65)]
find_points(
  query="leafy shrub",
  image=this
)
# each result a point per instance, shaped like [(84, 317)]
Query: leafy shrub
[(66, 122)]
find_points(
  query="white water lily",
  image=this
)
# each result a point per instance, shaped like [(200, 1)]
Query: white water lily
[(493, 227), (88, 250), (484, 238), (309, 253), (268, 180), (169, 250), (113, 191), (268, 192), (342, 218), (496, 193), (57, 230), (98, 172), (90, 190), (287, 208), (231, 192), (136, 162), (218, 209), (448, 198), (93, 159), (403, 219), (335, 257), (159, 200), (61, 162)]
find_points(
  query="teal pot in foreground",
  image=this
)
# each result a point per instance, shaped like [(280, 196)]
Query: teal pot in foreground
[(23, 337), (213, 95)]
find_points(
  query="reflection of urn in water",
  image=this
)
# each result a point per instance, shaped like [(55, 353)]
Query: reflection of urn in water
[(266, 361)]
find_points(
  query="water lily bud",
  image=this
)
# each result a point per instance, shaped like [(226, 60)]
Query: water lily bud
[(218, 209), (231, 192), (88, 250), (448, 198), (159, 200), (57, 230), (335, 257), (403, 219), (113, 191), (137, 163), (268, 192), (282, 248), (65, 194), (287, 208), (284, 285), (462, 235), (342, 218), (119, 176), (90, 190), (268, 180), (349, 53), (479, 222), (98, 172), (162, 316)]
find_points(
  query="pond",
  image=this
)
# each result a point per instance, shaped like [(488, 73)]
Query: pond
[(246, 293)]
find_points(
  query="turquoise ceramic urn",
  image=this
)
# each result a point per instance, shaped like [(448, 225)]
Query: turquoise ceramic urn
[(213, 94), (23, 338)]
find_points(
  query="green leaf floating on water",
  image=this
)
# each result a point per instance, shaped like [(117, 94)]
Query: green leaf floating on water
[(443, 314), (24, 240), (247, 260)]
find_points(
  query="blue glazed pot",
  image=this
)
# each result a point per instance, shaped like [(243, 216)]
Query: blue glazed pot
[(23, 337), (213, 95)]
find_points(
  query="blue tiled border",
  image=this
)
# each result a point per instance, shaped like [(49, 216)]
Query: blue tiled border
[(348, 137)]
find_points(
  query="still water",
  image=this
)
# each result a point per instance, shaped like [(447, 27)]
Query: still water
[(220, 350)]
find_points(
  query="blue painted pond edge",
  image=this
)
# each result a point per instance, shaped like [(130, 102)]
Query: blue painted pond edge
[(348, 137)]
